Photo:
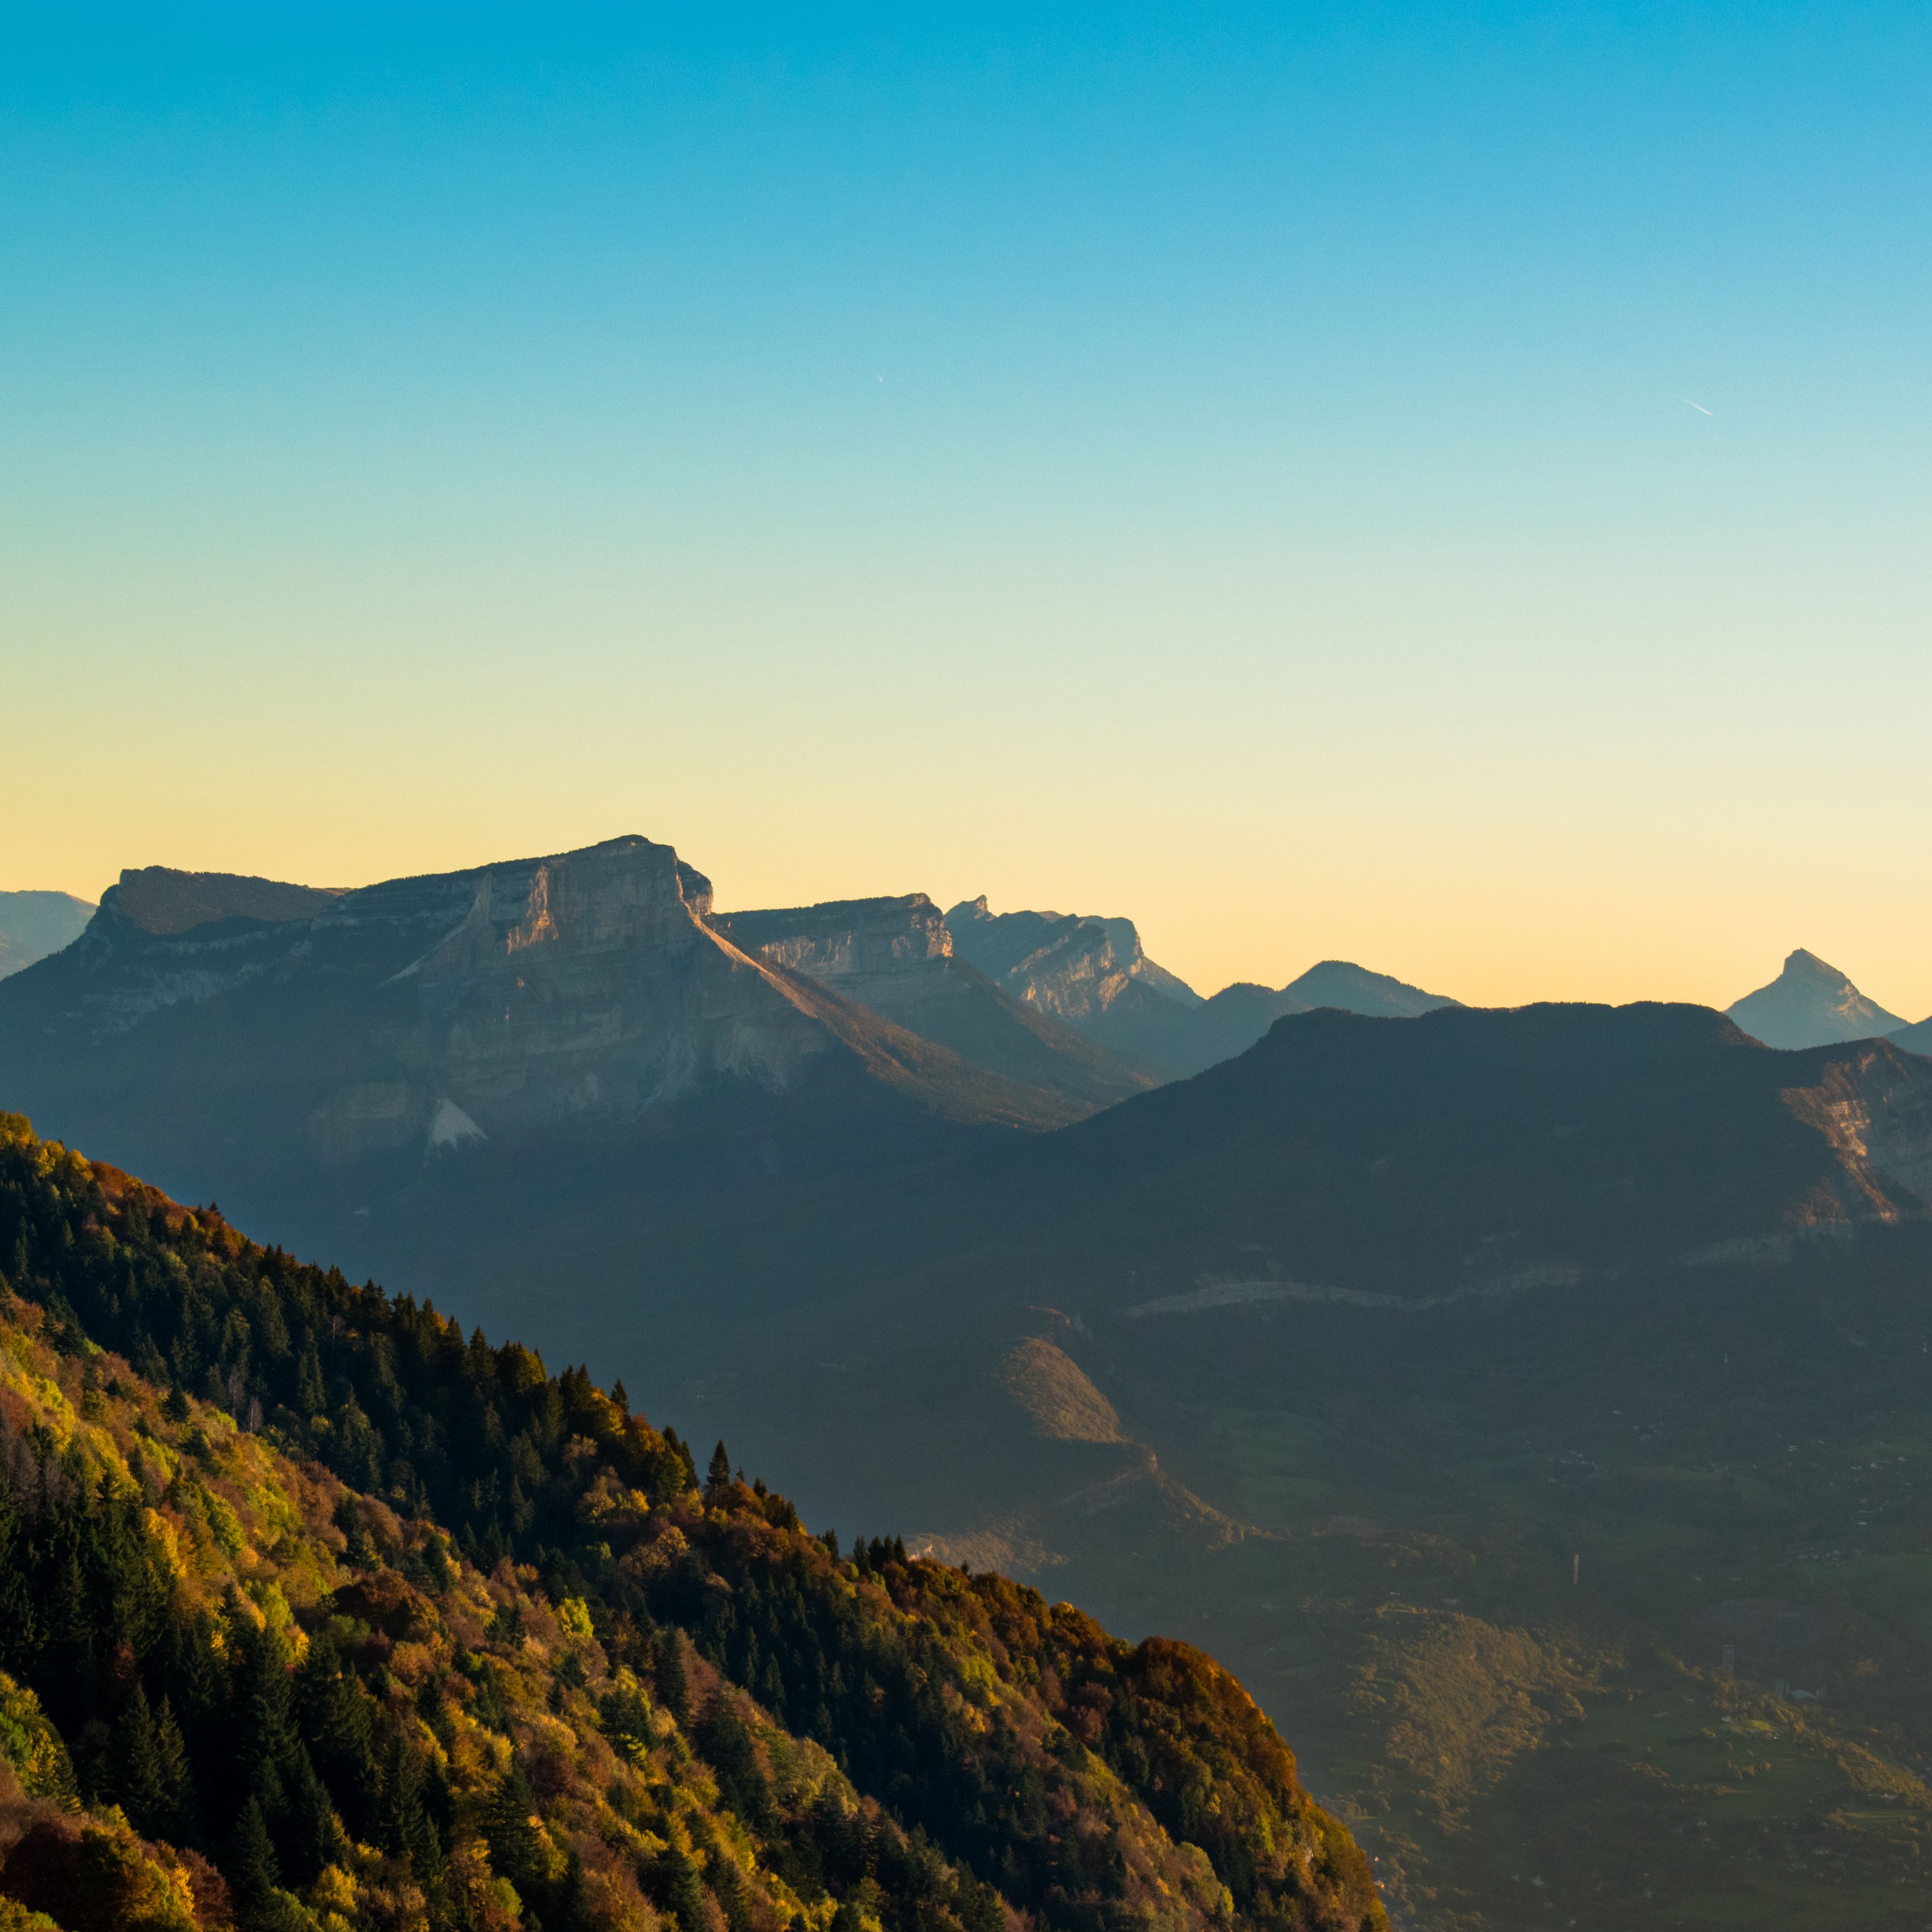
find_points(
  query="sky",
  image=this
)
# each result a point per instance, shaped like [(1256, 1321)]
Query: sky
[(1444, 487)]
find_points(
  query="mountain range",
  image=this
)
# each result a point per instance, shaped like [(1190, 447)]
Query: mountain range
[(1092, 973), (1474, 1382), (305, 1049)]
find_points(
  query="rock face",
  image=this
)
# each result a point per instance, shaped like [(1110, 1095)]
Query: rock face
[(204, 1026), (32, 925), (897, 956), (1811, 1004), (1088, 971)]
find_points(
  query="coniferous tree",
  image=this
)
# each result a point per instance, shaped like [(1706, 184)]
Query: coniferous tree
[(178, 1820), (313, 1836), (139, 1781), (673, 1687), (727, 1887), (515, 1850), (717, 1475), (249, 1866), (679, 1888)]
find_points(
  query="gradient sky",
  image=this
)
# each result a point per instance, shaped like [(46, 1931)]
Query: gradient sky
[(1228, 466)]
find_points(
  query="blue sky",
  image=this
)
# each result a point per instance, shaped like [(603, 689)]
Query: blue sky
[(1229, 466)]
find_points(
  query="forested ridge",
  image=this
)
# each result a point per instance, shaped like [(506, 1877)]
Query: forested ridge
[(315, 1613)]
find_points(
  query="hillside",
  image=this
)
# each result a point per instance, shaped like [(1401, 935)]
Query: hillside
[(32, 925), (384, 1626)]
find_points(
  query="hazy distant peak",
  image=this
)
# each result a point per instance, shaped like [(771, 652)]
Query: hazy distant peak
[(1811, 1004), (33, 924), (1340, 983)]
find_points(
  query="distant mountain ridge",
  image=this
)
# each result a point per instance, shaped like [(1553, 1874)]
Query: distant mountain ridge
[(1093, 972), (33, 924), (1811, 1004), (896, 956)]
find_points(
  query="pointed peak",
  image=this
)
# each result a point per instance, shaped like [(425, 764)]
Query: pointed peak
[(1801, 960), (1811, 1004)]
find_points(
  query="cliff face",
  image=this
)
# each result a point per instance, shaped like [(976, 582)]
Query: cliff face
[(1092, 973), (586, 983), (1075, 966), (848, 943), (897, 957), (1089, 972)]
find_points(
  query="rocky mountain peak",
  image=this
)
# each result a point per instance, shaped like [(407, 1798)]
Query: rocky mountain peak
[(1811, 1004), (1075, 966)]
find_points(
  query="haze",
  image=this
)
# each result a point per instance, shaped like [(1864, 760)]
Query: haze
[(1223, 467)]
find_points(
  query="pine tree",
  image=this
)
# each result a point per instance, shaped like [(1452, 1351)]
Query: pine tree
[(717, 1475), (180, 1821), (311, 1398), (619, 1400), (515, 1851), (673, 1689), (678, 1887), (250, 1867), (313, 1837), (336, 1716), (727, 1887), (139, 1780)]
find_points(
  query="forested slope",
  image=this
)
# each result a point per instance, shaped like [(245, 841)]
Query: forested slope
[(314, 1613)]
